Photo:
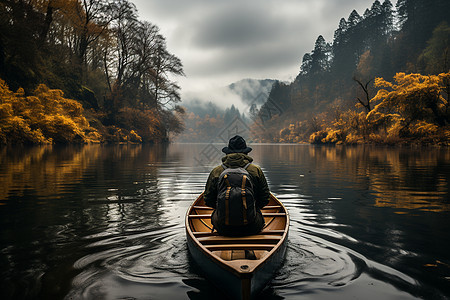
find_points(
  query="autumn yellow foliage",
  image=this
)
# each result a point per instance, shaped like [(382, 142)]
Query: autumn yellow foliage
[(414, 108), (412, 97), (42, 118)]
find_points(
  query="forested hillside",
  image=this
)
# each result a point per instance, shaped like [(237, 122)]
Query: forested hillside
[(204, 121), (97, 52), (377, 81)]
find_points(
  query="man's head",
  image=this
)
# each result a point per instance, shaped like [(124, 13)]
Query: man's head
[(236, 145)]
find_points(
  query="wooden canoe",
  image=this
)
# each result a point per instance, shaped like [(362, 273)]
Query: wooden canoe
[(223, 259)]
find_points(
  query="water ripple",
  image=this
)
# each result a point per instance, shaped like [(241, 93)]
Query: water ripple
[(109, 223)]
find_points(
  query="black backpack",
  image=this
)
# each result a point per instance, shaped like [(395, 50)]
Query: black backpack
[(235, 198)]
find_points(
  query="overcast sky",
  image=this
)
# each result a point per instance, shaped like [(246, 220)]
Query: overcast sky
[(224, 41)]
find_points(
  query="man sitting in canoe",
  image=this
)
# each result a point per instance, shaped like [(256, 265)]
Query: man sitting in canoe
[(237, 190)]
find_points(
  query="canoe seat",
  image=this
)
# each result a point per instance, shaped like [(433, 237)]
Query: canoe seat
[(251, 239), (264, 208), (266, 215), (266, 247), (202, 207), (271, 207), (208, 233), (200, 216)]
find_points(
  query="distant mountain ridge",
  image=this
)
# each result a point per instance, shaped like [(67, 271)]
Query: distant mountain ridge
[(204, 120), (251, 90)]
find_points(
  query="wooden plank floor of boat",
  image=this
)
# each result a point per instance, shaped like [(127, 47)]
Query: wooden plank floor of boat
[(234, 248)]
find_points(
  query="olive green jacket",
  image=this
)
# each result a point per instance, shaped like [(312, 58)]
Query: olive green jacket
[(235, 160)]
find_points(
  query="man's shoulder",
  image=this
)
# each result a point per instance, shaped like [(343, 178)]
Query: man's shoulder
[(217, 170), (252, 166), (254, 170)]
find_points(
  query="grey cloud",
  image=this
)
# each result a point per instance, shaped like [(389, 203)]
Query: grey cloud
[(335, 10), (171, 8), (236, 27), (253, 59), (249, 39), (236, 39)]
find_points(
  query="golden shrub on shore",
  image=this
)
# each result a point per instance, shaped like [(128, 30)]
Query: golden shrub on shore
[(42, 118), (413, 109)]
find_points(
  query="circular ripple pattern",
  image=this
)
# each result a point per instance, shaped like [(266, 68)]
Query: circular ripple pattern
[(108, 223)]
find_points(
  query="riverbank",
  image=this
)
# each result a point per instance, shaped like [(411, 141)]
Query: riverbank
[(47, 117)]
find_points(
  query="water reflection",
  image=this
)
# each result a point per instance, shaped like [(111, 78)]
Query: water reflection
[(107, 222), (340, 191), (401, 178)]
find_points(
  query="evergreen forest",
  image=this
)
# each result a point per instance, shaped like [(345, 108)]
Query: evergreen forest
[(385, 78)]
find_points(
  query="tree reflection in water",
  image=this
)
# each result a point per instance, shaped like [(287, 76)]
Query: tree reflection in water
[(102, 221)]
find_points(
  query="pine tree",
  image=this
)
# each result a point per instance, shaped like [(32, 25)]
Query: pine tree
[(320, 57), (305, 68), (347, 46), (388, 18), (353, 19), (339, 34)]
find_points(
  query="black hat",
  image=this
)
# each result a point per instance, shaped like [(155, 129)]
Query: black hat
[(236, 145)]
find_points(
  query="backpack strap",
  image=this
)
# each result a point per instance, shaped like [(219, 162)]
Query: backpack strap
[(227, 201), (227, 196), (244, 199)]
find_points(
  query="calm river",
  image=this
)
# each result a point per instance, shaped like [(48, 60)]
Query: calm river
[(107, 222)]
